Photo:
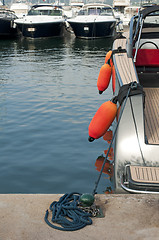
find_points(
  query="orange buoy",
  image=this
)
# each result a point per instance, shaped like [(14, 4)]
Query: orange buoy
[(104, 78), (102, 120), (108, 56), (113, 78)]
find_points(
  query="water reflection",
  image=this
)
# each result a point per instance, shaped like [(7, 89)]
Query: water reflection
[(40, 44), (94, 44), (108, 167), (48, 93)]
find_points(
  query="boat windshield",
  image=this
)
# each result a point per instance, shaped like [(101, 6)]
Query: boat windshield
[(106, 12), (96, 11), (53, 12)]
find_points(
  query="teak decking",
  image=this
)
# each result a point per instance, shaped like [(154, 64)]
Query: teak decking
[(152, 115), (125, 64), (127, 72), (142, 174)]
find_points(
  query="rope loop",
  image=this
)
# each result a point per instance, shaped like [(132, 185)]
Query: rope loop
[(66, 215)]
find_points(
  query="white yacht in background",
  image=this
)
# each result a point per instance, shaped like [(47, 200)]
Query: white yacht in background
[(20, 7), (124, 10), (76, 5), (120, 5), (43, 20), (94, 21), (129, 12), (73, 8)]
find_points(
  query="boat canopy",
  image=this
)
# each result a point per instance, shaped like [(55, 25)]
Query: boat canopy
[(147, 11), (140, 27), (45, 5)]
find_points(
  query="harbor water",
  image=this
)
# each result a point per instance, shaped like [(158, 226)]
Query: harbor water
[(48, 96)]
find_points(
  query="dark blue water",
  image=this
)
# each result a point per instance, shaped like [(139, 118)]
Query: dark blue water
[(48, 96)]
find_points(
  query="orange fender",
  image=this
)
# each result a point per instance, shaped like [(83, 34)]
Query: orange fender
[(102, 120), (104, 78), (108, 56)]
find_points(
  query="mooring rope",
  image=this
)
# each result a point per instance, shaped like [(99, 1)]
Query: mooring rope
[(66, 215)]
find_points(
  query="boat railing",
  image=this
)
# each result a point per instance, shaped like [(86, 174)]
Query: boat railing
[(130, 39), (139, 36)]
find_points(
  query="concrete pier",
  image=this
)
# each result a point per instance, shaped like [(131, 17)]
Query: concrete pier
[(127, 217)]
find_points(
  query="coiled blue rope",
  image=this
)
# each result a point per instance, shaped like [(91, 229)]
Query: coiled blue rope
[(66, 215)]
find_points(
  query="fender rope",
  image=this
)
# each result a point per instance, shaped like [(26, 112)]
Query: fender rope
[(66, 215)]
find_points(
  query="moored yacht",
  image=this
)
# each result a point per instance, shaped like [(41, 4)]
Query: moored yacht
[(43, 20), (7, 26), (124, 10), (136, 62), (20, 8), (133, 63), (94, 21)]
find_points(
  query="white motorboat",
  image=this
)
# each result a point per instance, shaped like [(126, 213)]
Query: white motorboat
[(20, 7), (94, 21), (73, 8), (43, 20), (124, 10)]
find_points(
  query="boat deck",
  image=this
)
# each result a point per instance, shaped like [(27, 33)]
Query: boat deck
[(128, 74), (152, 115), (125, 65)]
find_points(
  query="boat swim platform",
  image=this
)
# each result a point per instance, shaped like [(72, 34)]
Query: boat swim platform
[(126, 216)]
